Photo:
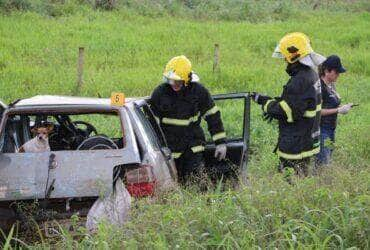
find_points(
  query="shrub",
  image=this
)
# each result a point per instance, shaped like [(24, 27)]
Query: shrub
[(105, 4), (10, 5)]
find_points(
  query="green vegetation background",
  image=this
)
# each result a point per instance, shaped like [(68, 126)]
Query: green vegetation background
[(126, 49)]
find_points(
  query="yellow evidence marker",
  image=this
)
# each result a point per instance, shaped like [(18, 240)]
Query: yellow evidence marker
[(117, 99)]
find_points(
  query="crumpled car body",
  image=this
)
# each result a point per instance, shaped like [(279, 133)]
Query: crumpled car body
[(80, 173)]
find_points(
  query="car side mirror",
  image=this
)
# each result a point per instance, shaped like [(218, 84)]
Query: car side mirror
[(166, 152)]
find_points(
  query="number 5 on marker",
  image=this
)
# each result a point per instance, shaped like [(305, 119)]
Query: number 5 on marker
[(117, 99)]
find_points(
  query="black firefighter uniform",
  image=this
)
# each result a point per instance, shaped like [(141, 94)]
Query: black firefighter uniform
[(298, 111), (180, 115)]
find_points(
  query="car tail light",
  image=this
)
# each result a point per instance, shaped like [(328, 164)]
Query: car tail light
[(141, 181)]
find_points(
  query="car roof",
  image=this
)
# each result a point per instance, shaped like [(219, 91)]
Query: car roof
[(54, 100)]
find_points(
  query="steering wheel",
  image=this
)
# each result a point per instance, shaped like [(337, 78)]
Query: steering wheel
[(87, 130)]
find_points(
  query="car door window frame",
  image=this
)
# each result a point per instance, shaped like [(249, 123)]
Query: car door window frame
[(246, 125), (246, 115), (156, 132)]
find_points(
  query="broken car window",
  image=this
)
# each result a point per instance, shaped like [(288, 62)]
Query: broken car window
[(148, 120), (232, 113), (56, 132)]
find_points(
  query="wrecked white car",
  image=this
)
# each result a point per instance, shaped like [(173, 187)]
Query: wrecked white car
[(94, 144)]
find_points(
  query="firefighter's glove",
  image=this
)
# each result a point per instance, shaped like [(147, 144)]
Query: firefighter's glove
[(259, 98), (345, 108), (267, 117), (220, 152)]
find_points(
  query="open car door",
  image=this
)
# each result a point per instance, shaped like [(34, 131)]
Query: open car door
[(235, 113)]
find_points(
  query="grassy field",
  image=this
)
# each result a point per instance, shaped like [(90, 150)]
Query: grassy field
[(126, 50)]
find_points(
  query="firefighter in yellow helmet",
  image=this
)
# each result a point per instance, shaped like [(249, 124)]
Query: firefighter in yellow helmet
[(298, 108), (180, 103)]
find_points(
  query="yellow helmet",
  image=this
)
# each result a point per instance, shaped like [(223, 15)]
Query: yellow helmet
[(293, 46), (178, 68)]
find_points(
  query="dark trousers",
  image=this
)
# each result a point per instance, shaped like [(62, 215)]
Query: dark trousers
[(299, 167), (190, 167), (327, 139)]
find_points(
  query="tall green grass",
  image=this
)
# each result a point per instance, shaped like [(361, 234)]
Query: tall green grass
[(126, 50), (326, 212)]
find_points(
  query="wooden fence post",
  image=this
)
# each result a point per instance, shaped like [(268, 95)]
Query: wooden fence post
[(216, 58), (80, 69)]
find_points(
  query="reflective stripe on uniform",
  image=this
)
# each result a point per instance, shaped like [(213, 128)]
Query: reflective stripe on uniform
[(266, 105), (176, 155), (309, 113), (197, 149), (157, 119), (288, 111), (211, 111), (312, 113), (180, 122), (315, 134), (298, 156), (219, 136)]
